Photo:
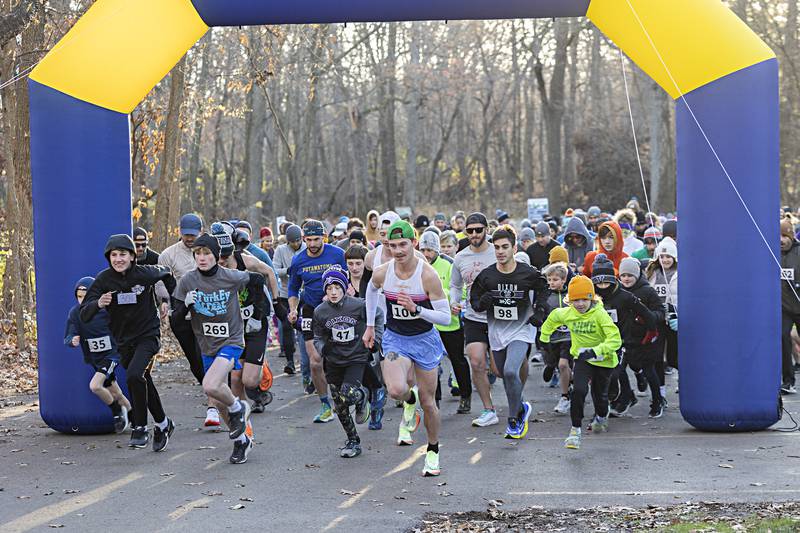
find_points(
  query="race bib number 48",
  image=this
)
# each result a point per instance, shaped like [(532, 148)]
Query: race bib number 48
[(343, 335), (100, 344), (215, 329), (661, 290), (506, 313), (401, 313)]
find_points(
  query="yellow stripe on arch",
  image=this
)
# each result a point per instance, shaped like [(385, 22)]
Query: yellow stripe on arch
[(120, 49), (699, 40)]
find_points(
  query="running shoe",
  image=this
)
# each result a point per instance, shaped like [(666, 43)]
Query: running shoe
[(258, 407), (363, 407), (249, 430), (562, 407), (668, 370), (488, 418), (431, 467), (212, 418), (404, 437), (376, 411), (161, 436), (308, 386), (641, 381), (619, 408), (140, 437), (554, 382), (492, 378), (351, 449), (656, 410), (513, 429), (599, 424), (548, 373), (289, 370), (411, 416), (536, 358), (241, 449), (237, 422), (453, 384), (325, 414), (573, 440), (464, 406), (788, 388), (121, 420), (527, 409)]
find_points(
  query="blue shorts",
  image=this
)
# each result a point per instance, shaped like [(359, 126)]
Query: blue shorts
[(425, 350), (231, 353)]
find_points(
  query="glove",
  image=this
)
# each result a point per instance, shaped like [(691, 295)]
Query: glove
[(486, 301), (673, 324), (280, 310), (587, 354), (650, 337), (252, 326), (189, 300)]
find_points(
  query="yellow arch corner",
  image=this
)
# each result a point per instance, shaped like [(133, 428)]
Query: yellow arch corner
[(120, 49), (699, 40)]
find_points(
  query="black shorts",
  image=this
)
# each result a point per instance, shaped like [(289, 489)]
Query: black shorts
[(640, 358), (305, 323), (475, 332), (108, 366), (352, 373), (255, 344)]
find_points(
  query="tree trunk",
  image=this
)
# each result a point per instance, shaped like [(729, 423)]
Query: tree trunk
[(168, 199), (413, 110), (386, 119)]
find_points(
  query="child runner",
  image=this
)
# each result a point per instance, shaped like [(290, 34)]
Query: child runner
[(595, 341), (100, 352), (339, 325), (211, 294), (127, 292)]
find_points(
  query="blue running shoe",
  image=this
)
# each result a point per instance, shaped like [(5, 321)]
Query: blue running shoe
[(376, 413), (554, 382)]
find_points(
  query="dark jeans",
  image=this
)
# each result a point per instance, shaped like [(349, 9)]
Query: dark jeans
[(287, 335), (454, 346), (182, 329), (137, 358), (787, 371), (582, 374)]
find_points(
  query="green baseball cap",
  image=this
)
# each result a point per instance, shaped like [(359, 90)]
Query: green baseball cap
[(401, 230)]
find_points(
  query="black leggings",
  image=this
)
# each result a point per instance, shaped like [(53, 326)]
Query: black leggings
[(182, 329), (137, 360), (787, 368), (581, 375), (346, 390), (287, 335), (646, 368), (454, 346)]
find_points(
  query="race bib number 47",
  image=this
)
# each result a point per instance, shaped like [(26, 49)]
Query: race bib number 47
[(100, 344), (401, 313), (506, 313), (343, 335), (215, 329)]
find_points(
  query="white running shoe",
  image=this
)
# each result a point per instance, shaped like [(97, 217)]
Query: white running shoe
[(212, 418), (563, 405), (488, 418)]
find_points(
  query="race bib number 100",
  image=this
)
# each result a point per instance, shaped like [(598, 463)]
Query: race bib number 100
[(343, 335), (506, 313), (401, 313), (215, 329)]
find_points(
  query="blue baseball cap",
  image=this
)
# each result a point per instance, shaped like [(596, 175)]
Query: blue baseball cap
[(191, 224)]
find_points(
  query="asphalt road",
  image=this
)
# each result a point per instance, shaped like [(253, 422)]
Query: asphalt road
[(295, 479)]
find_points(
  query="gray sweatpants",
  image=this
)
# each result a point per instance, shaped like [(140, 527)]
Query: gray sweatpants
[(509, 361)]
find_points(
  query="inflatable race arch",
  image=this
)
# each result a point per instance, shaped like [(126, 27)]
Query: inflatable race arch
[(722, 75)]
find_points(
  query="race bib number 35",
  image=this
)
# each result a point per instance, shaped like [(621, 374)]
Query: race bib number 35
[(100, 344), (215, 329), (401, 313), (505, 313), (343, 335)]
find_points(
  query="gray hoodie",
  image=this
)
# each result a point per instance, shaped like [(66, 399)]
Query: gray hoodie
[(577, 253), (338, 329)]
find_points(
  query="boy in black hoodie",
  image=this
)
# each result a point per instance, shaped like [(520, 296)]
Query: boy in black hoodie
[(641, 349), (626, 311), (100, 352), (127, 291)]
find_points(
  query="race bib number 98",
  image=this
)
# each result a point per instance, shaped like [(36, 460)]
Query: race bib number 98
[(401, 313), (100, 344), (343, 335), (505, 313), (661, 290), (215, 329)]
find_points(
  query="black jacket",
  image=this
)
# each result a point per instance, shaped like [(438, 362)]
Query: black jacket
[(649, 297), (627, 311), (129, 321), (790, 276), (540, 255), (150, 258)]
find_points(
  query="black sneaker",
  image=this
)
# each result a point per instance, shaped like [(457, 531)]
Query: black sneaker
[(351, 449), (641, 381), (656, 410), (241, 450), (547, 373), (464, 406), (309, 386), (788, 388), (238, 421), (258, 407), (161, 437), (633, 401), (121, 421), (289, 369), (619, 408), (139, 437), (363, 407)]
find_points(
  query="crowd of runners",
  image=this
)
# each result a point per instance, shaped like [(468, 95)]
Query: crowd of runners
[(371, 309)]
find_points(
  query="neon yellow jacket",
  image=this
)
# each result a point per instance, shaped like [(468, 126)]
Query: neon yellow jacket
[(593, 329)]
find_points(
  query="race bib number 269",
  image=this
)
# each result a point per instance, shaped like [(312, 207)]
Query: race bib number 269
[(215, 329)]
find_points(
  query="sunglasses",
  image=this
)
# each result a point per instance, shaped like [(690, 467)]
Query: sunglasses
[(140, 244), (474, 230)]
